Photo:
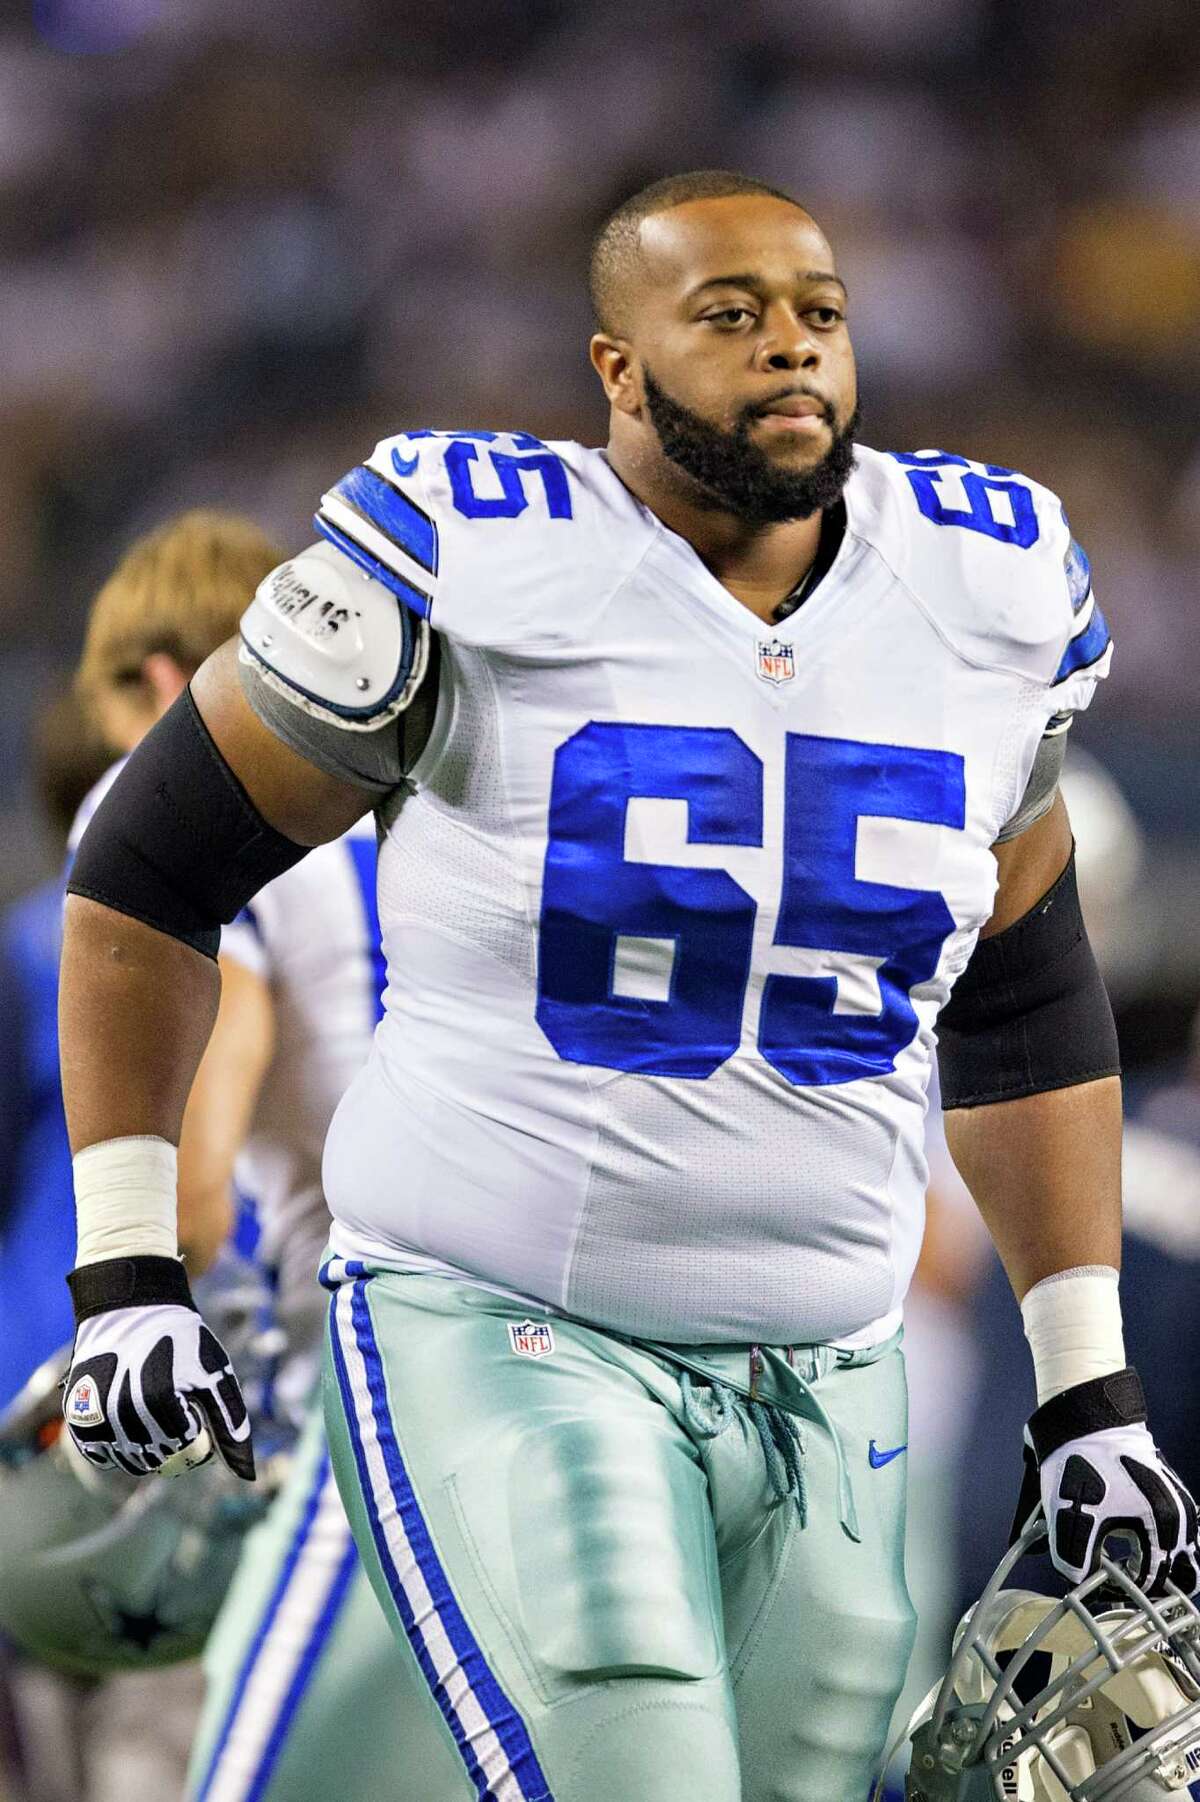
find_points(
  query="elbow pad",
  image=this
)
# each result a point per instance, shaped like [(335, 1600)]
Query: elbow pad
[(177, 842), (1030, 1012)]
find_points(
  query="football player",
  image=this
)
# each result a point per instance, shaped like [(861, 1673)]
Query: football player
[(709, 765), (300, 1634)]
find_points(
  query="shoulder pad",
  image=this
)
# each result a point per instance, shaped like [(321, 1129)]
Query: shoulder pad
[(334, 641), (987, 554), (378, 517)]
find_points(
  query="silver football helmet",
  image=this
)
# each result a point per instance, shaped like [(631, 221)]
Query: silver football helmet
[(1094, 1697), (103, 1572)]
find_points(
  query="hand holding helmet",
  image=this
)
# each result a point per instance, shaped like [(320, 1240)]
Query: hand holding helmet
[(1094, 1697), (102, 1571), (1099, 1473)]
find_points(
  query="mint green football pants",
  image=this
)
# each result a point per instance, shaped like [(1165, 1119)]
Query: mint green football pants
[(621, 1572)]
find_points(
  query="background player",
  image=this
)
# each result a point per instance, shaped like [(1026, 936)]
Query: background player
[(739, 439), (301, 1634), (159, 614), (36, 1242), (300, 1645)]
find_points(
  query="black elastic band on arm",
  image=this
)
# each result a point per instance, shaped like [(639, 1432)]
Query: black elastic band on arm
[(142, 1282), (177, 842), (1030, 1012)]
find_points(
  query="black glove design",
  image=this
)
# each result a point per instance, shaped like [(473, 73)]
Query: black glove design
[(147, 1376), (1090, 1457)]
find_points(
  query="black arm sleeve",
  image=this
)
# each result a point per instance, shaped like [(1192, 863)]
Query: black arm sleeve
[(177, 842), (1030, 1012)]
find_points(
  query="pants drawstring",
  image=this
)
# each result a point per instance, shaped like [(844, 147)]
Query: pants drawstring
[(783, 1450), (779, 1436), (713, 1420)]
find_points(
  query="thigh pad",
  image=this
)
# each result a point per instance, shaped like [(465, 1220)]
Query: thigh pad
[(595, 1538)]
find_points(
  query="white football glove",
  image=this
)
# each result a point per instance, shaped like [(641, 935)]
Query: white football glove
[(1099, 1472), (150, 1388)]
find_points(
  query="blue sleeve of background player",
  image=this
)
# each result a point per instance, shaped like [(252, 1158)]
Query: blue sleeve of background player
[(14, 1084)]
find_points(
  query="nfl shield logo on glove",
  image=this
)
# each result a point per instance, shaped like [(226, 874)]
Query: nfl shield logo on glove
[(531, 1338), (83, 1405), (776, 660)]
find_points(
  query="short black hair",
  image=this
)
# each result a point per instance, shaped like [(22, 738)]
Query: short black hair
[(615, 245)]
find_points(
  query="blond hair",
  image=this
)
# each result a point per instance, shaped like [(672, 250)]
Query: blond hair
[(180, 589)]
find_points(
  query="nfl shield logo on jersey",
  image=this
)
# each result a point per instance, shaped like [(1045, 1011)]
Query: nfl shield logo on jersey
[(776, 660), (531, 1338)]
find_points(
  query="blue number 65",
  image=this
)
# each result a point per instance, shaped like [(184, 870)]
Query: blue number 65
[(593, 898)]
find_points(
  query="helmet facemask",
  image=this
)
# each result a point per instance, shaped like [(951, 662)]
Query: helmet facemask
[(1094, 1697)]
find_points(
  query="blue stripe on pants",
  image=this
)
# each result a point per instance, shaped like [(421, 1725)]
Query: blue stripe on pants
[(322, 1628), (321, 1631), (498, 1710)]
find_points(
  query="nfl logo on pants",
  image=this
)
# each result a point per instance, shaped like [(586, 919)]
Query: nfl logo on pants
[(776, 660), (531, 1338)]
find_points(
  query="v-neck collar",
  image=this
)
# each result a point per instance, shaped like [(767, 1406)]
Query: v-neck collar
[(712, 589), (833, 531)]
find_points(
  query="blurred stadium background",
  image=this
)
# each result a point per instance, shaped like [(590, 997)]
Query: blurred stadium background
[(238, 244)]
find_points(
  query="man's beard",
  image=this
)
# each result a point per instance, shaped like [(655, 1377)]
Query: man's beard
[(739, 478)]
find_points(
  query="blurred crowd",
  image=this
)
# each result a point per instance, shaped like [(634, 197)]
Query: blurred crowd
[(238, 244)]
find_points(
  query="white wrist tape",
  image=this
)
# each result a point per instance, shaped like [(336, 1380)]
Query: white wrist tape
[(125, 1200), (1073, 1325)]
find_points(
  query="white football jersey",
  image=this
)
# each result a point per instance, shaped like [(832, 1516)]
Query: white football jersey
[(673, 897), (313, 936)]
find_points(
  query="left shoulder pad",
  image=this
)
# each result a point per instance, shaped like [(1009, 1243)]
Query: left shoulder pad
[(379, 518), (335, 641), (988, 555)]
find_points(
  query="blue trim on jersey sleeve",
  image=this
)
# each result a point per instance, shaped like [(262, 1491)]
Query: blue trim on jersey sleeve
[(246, 916), (391, 512), (1078, 572), (412, 598), (1087, 648), (364, 862)]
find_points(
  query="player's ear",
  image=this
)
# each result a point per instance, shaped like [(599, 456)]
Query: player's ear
[(614, 363), (163, 679)]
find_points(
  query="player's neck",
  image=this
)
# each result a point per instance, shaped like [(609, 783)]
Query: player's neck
[(759, 565)]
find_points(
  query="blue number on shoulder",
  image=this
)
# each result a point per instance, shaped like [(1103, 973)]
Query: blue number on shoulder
[(592, 897), (522, 440), (832, 783), (921, 469), (513, 473)]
